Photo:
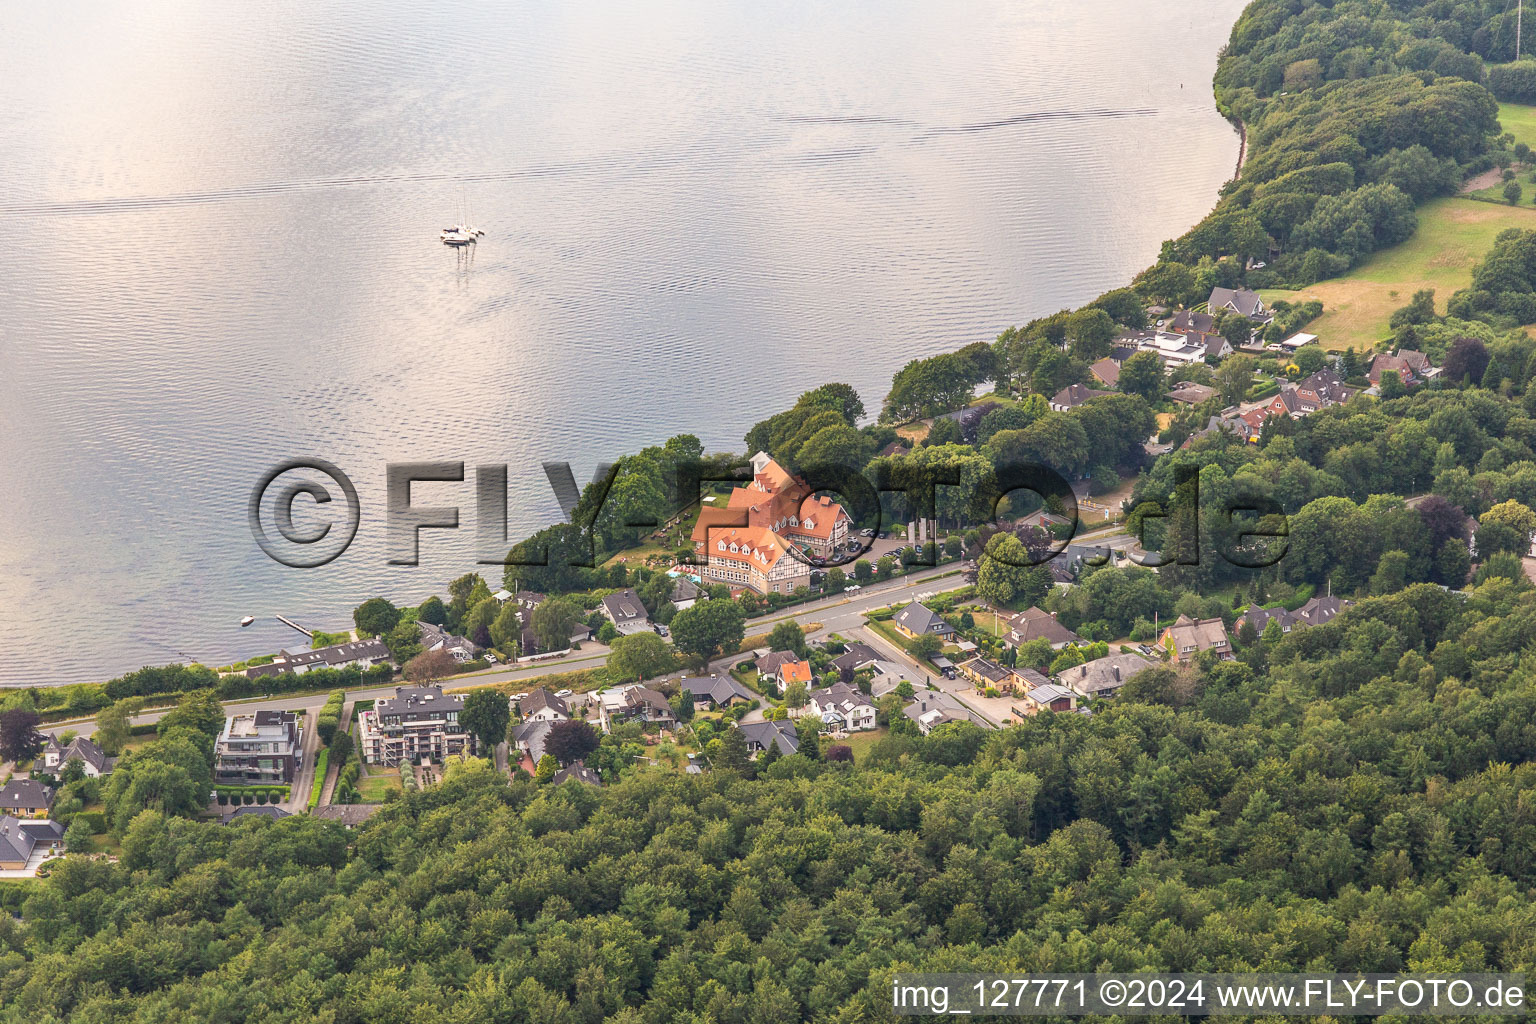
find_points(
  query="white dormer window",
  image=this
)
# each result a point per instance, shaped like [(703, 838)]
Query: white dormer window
[(722, 545), (810, 524), (734, 547), (794, 521)]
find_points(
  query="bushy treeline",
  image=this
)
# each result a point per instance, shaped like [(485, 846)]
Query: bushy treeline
[(1357, 801), (1354, 112)]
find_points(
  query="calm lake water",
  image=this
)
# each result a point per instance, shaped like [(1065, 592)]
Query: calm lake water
[(221, 251)]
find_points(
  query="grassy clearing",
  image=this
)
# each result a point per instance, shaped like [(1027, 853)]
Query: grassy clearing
[(372, 788), (860, 742), (1520, 121), (1453, 235)]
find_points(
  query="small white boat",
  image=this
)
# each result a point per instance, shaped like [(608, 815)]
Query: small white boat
[(247, 621), (460, 234)]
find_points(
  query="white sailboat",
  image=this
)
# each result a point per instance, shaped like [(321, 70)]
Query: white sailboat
[(462, 233)]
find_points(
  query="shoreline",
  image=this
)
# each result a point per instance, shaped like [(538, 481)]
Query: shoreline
[(1242, 154)]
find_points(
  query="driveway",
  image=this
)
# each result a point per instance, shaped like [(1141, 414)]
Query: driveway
[(960, 689), (298, 794)]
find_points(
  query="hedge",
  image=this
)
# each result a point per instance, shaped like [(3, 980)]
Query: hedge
[(321, 763), (330, 716)]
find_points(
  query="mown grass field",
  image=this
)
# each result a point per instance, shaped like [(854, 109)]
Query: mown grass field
[(1453, 235), (1520, 121)]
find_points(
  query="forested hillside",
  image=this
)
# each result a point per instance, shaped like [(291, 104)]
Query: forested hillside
[(1354, 111), (1359, 804)]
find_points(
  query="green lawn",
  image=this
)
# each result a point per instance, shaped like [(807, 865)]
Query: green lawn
[(1520, 121), (1453, 235), (860, 742), (371, 788)]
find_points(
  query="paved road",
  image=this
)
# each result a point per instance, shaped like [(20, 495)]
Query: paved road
[(298, 794), (842, 613), (960, 689)]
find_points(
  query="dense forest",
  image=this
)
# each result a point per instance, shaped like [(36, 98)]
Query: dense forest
[(1361, 801)]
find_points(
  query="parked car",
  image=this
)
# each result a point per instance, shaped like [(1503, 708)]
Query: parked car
[(852, 586), (490, 657), (1145, 649), (562, 694), (866, 533)]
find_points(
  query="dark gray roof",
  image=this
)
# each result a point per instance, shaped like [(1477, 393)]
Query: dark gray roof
[(1103, 674), (718, 689), (20, 836), (624, 606), (919, 618), (372, 649), (21, 794), (761, 734), (1244, 301), (856, 657), (684, 590), (255, 811), (530, 736), (347, 814), (419, 699), (579, 772), (541, 698)]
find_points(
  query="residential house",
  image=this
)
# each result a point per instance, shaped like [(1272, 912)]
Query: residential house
[(1411, 367), (843, 707), (747, 543), (1182, 349), (348, 815), (1188, 637), (436, 638), (530, 737), (1107, 370), (1103, 677), (855, 657), (716, 691), (539, 705), (23, 840), (887, 677), (271, 812), (1191, 394), (26, 798), (258, 748), (624, 610), (1240, 300), (360, 654), (1314, 613), (634, 703), (919, 620), (1186, 321), (93, 760), (1036, 623), (576, 771), (768, 664), (418, 723), (759, 734), (1231, 425), (685, 593), (1322, 389), (1049, 697), (792, 672), (986, 673), (933, 708), (1074, 395)]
